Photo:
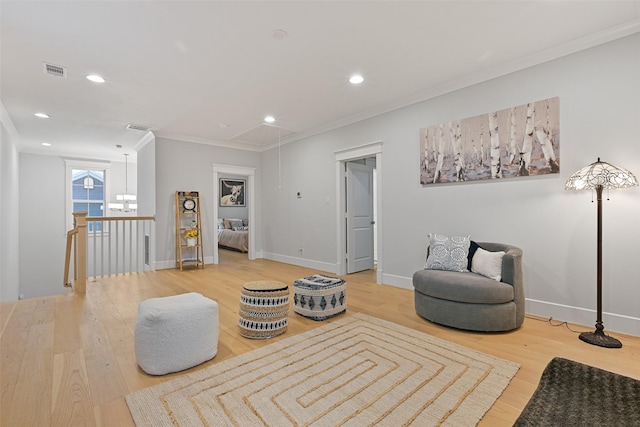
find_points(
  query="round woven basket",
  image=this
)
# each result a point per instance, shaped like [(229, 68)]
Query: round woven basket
[(264, 309)]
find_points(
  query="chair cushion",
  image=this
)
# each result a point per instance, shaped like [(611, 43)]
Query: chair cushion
[(462, 287)]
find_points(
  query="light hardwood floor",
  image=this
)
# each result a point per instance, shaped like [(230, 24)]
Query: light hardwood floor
[(69, 360)]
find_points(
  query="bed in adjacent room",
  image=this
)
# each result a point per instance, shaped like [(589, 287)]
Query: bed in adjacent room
[(233, 234)]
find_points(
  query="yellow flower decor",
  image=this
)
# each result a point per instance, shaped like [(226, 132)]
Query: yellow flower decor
[(191, 234)]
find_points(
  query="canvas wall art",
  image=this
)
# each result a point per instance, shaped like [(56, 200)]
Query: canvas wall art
[(515, 142), (232, 192)]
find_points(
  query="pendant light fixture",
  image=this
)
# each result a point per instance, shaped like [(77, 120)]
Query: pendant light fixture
[(124, 201)]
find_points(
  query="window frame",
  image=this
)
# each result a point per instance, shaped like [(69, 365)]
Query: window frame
[(72, 164)]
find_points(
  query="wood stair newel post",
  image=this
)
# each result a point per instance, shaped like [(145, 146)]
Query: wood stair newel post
[(80, 283)]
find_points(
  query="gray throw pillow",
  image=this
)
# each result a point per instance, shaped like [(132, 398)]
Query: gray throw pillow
[(448, 253), (236, 224)]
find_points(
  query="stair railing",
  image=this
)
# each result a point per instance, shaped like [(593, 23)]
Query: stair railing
[(103, 246)]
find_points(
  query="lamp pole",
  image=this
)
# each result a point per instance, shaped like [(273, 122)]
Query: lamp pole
[(598, 337)]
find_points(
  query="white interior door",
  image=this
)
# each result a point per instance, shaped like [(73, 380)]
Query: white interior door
[(359, 216)]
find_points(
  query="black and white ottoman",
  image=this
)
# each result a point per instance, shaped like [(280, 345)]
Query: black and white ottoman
[(264, 309), (320, 297)]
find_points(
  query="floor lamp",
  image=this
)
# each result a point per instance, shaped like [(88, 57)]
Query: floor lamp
[(599, 176)]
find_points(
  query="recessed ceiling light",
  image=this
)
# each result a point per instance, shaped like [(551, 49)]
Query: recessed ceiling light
[(95, 78), (42, 115), (279, 34), (269, 119), (46, 144), (356, 79)]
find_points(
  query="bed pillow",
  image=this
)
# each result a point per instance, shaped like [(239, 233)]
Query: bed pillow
[(235, 224), (227, 222), (448, 253), (240, 228), (245, 222), (488, 264), (220, 224)]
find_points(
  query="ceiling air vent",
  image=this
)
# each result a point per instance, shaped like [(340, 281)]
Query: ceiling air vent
[(134, 126), (54, 70)]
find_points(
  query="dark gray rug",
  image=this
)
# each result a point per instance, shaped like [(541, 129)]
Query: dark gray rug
[(573, 394)]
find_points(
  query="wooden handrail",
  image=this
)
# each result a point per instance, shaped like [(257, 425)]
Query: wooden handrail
[(121, 218), (67, 259)]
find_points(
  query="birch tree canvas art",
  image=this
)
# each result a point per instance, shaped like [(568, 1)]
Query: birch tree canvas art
[(515, 142)]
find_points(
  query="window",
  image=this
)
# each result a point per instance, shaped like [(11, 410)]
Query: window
[(86, 190)]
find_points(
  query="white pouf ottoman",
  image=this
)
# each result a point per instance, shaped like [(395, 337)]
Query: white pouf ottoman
[(176, 333)]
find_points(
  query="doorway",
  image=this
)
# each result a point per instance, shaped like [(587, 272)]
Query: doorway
[(371, 245), (360, 214), (220, 171)]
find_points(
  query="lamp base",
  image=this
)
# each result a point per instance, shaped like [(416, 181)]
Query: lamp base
[(600, 339)]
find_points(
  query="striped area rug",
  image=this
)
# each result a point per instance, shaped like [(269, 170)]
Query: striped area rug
[(353, 371)]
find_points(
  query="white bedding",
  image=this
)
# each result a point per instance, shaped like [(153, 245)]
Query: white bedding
[(238, 240)]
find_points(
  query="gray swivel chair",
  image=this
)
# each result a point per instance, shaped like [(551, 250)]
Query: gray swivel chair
[(471, 301)]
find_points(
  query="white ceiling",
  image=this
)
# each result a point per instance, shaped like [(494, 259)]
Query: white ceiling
[(209, 71)]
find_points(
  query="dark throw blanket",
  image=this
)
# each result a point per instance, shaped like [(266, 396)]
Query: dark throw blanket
[(573, 394)]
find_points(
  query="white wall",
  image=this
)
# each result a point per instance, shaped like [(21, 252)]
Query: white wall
[(187, 166), (42, 225), (146, 178), (9, 215), (600, 116)]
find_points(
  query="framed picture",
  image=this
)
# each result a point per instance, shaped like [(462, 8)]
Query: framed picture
[(520, 141), (232, 192)]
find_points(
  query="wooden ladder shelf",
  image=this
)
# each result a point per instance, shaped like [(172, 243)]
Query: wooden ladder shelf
[(189, 250)]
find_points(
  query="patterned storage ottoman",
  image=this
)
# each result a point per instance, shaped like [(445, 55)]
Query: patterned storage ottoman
[(264, 309), (320, 297)]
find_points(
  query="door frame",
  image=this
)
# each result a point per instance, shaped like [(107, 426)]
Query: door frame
[(250, 190), (373, 149)]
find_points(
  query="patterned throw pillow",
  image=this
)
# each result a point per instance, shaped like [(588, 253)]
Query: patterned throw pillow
[(448, 253), (240, 228)]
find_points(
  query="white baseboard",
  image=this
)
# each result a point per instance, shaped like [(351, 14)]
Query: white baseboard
[(580, 316), (397, 281), (171, 263), (584, 316), (302, 262)]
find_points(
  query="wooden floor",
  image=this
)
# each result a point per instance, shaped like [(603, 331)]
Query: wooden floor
[(69, 360)]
